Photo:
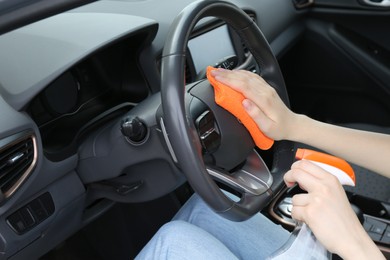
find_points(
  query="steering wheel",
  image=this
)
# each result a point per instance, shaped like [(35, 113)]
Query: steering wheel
[(207, 142)]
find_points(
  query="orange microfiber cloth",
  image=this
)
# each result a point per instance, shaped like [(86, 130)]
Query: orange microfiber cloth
[(231, 100)]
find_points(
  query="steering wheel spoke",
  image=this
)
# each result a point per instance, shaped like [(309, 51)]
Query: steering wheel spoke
[(253, 177)]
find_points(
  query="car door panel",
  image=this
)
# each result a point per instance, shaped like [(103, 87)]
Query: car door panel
[(340, 70)]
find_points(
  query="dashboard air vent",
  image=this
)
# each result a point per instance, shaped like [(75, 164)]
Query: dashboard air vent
[(17, 159)]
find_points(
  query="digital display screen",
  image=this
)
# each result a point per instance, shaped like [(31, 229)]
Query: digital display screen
[(210, 47)]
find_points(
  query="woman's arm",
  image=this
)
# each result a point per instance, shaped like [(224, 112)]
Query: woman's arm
[(367, 149)]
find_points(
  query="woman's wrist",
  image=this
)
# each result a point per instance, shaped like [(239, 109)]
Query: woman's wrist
[(298, 127)]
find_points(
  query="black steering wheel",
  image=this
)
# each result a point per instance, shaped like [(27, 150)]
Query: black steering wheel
[(207, 142)]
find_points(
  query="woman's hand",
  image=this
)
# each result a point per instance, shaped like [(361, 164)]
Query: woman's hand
[(327, 211), (262, 102)]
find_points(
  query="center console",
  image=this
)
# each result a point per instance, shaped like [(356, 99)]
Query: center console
[(373, 214), (376, 220)]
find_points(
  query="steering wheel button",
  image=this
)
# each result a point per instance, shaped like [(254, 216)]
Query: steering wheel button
[(208, 131)]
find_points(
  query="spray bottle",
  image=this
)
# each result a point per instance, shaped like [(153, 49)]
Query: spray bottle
[(302, 243)]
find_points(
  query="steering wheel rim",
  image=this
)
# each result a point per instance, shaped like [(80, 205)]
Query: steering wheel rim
[(184, 142)]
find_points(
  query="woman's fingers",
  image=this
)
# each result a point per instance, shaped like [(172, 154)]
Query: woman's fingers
[(264, 104), (299, 204), (242, 81), (308, 175), (262, 120), (301, 199), (306, 180), (310, 167)]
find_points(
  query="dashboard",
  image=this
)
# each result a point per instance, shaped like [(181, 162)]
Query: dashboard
[(67, 82), (102, 85)]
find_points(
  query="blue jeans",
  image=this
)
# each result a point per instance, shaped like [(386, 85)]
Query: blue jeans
[(196, 232)]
